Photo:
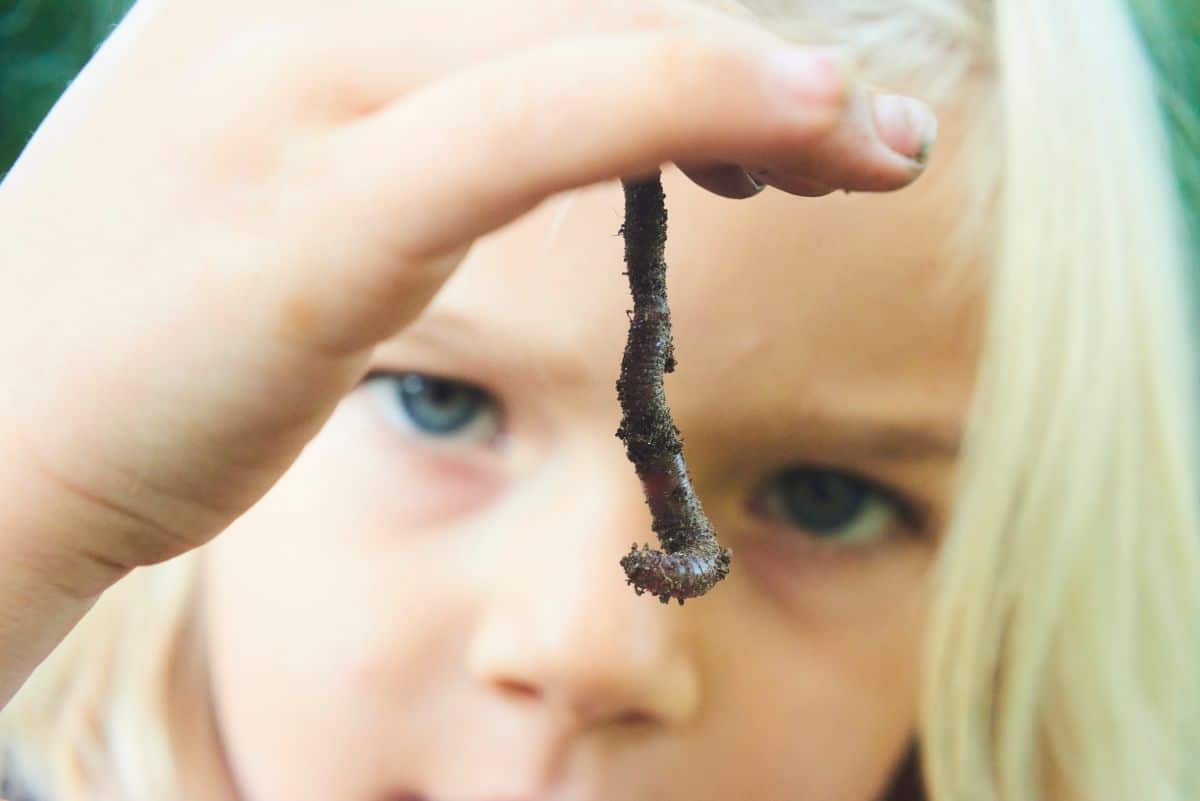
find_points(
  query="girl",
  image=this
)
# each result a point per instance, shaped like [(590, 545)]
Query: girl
[(342, 286)]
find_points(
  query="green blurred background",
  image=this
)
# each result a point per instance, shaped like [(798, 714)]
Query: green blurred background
[(43, 44)]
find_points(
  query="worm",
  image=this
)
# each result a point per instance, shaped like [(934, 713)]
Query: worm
[(691, 561)]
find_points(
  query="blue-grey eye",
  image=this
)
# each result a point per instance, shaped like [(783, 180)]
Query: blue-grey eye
[(438, 408), (831, 505)]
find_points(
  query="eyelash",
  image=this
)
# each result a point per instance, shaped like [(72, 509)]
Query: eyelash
[(409, 385), (911, 521)]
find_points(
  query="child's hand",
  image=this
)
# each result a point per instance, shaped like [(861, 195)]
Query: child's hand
[(237, 200)]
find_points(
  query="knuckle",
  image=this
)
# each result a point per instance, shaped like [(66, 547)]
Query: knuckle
[(803, 137), (820, 124), (698, 86)]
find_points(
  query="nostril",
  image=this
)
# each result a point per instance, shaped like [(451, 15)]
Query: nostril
[(519, 689)]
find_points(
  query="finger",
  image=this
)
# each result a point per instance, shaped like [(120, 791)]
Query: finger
[(905, 125), (725, 180), (878, 137), (790, 183), (363, 54), (511, 132), (498, 138), (899, 123), (469, 32)]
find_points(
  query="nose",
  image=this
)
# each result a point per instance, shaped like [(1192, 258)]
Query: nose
[(559, 627)]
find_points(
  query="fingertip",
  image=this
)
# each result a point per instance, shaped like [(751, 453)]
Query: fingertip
[(793, 185), (906, 125)]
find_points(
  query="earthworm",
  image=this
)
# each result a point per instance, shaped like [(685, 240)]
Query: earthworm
[(691, 561)]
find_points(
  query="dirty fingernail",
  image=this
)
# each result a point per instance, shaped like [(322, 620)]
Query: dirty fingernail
[(907, 126)]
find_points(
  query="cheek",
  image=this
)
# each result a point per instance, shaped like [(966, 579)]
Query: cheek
[(330, 627), (374, 478), (833, 706), (877, 592)]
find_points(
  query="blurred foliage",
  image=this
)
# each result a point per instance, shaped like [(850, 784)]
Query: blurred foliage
[(1171, 30), (43, 45)]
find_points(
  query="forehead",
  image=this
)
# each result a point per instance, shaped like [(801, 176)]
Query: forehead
[(842, 300)]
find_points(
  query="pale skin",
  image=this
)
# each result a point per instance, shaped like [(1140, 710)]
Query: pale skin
[(451, 620), (393, 613)]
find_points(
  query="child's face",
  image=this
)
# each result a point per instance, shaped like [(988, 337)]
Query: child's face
[(429, 604)]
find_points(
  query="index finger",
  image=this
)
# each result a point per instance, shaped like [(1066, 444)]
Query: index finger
[(464, 155), (498, 138)]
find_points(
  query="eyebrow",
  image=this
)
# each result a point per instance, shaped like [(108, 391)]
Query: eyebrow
[(893, 440), (490, 348), (849, 434)]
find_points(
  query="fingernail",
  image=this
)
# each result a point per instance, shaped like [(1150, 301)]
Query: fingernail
[(907, 126), (812, 74)]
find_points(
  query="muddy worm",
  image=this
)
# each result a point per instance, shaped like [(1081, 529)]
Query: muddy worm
[(691, 561)]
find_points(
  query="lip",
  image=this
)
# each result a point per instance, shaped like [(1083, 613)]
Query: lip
[(413, 796), (420, 797), (534, 797)]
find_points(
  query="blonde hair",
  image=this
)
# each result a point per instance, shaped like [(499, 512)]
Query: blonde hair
[(1061, 659), (1063, 648), (103, 715)]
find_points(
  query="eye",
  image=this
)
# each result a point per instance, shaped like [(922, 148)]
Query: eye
[(437, 408), (831, 505)]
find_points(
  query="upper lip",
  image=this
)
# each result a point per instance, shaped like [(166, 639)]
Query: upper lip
[(537, 796), (543, 796)]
